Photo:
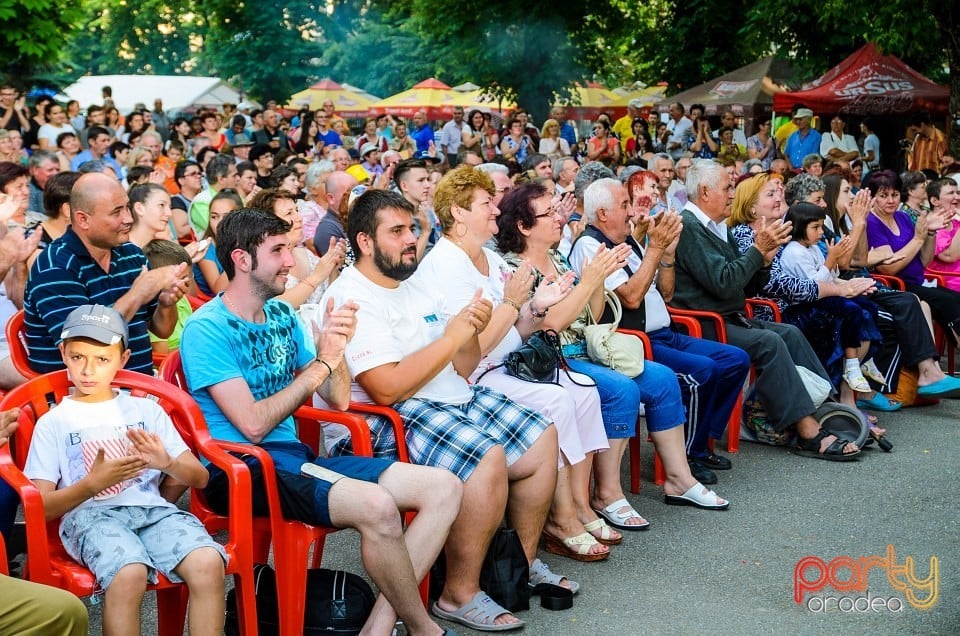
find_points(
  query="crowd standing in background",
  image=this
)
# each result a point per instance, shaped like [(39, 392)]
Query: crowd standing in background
[(427, 252)]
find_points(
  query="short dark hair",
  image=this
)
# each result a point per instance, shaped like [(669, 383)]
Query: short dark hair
[(801, 215), (244, 166), (136, 173), (280, 173), (882, 180), (911, 179), (365, 213), (203, 152), (115, 147), (405, 166), (161, 253), (246, 229), (516, 209), (57, 192), (934, 187), (533, 160), (64, 135), (259, 150), (218, 168), (10, 171), (181, 168), (95, 131)]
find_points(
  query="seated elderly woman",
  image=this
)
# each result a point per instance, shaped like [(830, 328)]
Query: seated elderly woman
[(529, 228), (913, 248), (461, 266), (905, 340)]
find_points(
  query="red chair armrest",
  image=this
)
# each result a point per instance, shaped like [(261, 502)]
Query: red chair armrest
[(395, 421), (890, 281), (692, 325), (709, 316), (359, 431), (764, 302), (38, 549)]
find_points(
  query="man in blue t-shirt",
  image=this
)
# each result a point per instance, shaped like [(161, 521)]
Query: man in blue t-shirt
[(805, 141), (249, 363), (422, 133), (94, 263)]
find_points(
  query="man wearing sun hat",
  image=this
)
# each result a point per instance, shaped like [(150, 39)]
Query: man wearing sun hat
[(803, 142)]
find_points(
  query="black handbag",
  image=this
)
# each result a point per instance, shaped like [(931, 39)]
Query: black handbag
[(538, 359), (504, 575)]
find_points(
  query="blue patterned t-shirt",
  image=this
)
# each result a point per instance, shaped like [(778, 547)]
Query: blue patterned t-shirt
[(218, 346)]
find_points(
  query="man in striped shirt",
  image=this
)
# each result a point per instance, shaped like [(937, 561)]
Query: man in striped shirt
[(94, 262)]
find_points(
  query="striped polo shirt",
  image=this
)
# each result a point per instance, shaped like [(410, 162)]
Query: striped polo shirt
[(64, 277)]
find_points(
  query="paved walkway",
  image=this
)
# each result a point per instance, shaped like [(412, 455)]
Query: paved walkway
[(698, 572)]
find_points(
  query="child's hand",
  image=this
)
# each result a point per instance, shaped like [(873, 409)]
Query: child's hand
[(109, 472), (149, 448)]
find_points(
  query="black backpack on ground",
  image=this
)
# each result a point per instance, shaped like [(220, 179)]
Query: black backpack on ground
[(337, 602)]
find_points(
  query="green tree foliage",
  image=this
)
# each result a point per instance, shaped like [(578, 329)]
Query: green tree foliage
[(143, 37), (33, 34), (271, 50)]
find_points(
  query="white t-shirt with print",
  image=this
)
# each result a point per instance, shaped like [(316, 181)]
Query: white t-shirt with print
[(56, 450), (392, 324)]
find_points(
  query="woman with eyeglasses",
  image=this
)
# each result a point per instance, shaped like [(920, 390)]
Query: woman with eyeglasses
[(762, 145), (528, 227), (516, 144), (460, 264), (602, 146)]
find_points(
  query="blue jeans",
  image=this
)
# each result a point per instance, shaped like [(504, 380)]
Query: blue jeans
[(711, 375), (621, 396)]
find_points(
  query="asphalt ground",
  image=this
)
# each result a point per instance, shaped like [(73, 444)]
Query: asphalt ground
[(732, 572)]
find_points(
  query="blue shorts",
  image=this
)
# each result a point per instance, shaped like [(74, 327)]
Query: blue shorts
[(107, 538), (302, 498)]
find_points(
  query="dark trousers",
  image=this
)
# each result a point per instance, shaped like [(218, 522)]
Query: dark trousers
[(905, 338), (775, 350), (711, 375), (944, 305)]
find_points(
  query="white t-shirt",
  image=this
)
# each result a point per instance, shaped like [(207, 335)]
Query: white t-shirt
[(62, 435), (51, 132), (448, 267), (805, 262), (846, 144), (657, 315), (392, 324)]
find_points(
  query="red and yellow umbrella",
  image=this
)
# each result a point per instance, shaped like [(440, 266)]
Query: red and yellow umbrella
[(591, 99), (431, 95), (348, 103)]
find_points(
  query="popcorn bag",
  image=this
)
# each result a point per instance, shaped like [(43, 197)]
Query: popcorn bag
[(114, 446)]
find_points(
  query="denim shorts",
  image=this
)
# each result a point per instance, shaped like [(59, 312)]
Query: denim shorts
[(107, 538)]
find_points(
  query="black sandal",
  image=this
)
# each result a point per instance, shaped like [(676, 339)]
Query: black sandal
[(833, 453)]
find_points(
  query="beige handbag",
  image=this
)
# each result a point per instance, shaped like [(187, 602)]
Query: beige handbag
[(619, 351)]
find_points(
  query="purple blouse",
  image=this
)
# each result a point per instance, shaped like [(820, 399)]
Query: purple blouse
[(879, 234)]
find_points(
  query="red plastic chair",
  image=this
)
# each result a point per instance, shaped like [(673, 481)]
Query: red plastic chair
[(47, 561), (291, 540), (943, 343), (720, 329), (17, 342)]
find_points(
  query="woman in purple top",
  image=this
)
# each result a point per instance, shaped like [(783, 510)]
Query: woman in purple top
[(888, 226)]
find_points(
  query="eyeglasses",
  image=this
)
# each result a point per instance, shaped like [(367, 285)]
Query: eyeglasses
[(551, 211)]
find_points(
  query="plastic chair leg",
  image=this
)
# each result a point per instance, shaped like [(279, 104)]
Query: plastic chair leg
[(290, 552), (634, 451), (659, 474), (733, 426), (171, 610)]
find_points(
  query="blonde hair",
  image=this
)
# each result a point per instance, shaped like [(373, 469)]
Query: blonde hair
[(546, 126), (746, 196), (457, 188)]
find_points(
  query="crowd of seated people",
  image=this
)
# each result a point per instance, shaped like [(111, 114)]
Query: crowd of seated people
[(401, 279)]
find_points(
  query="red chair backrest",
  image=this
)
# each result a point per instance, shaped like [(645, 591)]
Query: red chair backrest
[(17, 342)]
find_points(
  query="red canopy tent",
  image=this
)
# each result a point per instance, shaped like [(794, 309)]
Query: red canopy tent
[(869, 83)]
